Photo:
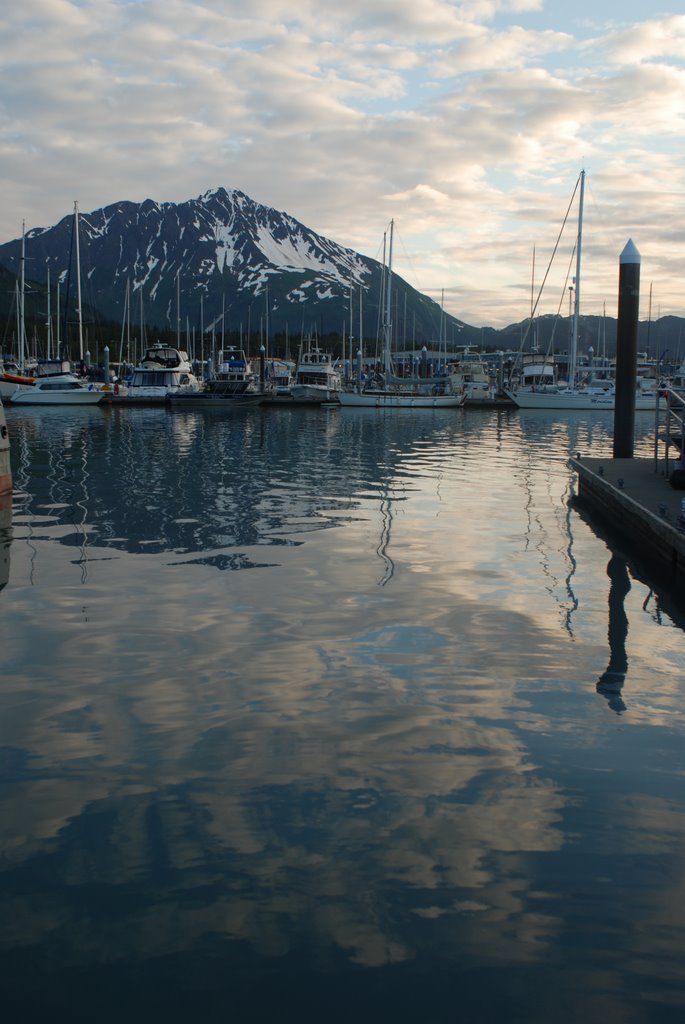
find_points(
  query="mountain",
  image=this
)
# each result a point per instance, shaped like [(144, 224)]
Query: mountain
[(267, 272), (221, 251)]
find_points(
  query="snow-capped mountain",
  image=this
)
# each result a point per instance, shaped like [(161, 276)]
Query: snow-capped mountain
[(184, 264)]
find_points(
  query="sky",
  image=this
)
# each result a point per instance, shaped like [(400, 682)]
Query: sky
[(466, 123)]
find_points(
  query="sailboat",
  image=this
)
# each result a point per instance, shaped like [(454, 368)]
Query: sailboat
[(597, 394), (55, 383), (13, 371), (387, 390)]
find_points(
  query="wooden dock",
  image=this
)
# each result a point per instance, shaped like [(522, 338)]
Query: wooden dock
[(634, 501)]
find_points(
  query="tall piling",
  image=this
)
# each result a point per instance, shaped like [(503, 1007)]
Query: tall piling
[(626, 351)]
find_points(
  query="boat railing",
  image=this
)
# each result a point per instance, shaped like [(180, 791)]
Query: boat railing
[(672, 431)]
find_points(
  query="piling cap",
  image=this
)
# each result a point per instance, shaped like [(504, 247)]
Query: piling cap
[(630, 254)]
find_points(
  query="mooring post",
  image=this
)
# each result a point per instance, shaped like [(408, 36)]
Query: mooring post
[(626, 351)]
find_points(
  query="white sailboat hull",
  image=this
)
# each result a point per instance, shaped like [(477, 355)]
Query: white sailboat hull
[(577, 400), (398, 400)]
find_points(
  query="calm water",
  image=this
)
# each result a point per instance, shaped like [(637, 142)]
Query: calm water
[(299, 721)]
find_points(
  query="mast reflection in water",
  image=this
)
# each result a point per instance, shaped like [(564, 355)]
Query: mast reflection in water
[(244, 781)]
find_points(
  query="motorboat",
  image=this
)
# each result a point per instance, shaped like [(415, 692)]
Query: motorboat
[(232, 386), (280, 374), (234, 375), (471, 375), (316, 380), (162, 372), (55, 383)]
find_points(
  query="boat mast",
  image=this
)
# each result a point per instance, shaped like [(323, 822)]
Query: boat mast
[(49, 321), (78, 285), (573, 354), (178, 309), (388, 306), (22, 322)]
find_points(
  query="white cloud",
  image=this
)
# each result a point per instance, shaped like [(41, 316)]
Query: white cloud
[(468, 122)]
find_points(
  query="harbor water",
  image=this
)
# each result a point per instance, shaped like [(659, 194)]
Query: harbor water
[(332, 715)]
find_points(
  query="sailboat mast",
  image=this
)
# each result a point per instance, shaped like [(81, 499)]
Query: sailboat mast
[(573, 355), (388, 304), (22, 322), (49, 321), (178, 309), (78, 285)]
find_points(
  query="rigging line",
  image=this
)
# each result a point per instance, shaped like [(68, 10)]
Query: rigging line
[(549, 267)]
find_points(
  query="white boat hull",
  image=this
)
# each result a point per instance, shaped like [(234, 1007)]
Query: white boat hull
[(5, 469), (576, 400), (313, 393), (8, 387), (398, 400), (34, 395)]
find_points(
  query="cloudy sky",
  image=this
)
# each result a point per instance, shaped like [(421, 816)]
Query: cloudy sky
[(466, 122)]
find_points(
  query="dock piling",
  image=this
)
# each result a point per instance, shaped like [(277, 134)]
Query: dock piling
[(626, 351)]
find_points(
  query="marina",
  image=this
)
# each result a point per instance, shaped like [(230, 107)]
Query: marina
[(332, 709)]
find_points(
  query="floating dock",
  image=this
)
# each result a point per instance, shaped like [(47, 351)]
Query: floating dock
[(634, 499)]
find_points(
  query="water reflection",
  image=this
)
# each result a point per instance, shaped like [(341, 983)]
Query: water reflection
[(291, 771), (610, 683), (5, 537)]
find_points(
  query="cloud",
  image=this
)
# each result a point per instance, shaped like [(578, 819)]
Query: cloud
[(473, 120)]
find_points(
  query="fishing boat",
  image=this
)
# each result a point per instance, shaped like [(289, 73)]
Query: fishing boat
[(232, 386), (163, 371), (385, 389), (207, 399), (280, 373), (317, 380), (234, 375), (472, 376)]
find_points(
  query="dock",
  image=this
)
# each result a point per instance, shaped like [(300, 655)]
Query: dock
[(634, 500)]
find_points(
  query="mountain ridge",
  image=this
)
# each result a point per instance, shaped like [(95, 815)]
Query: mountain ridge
[(222, 261), (222, 255)]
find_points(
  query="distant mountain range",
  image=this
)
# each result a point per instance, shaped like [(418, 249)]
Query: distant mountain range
[(223, 258)]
